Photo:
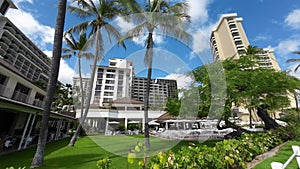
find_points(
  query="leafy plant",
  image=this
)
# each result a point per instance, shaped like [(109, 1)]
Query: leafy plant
[(104, 163)]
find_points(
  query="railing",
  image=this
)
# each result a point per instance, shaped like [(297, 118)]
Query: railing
[(20, 97), (296, 150)]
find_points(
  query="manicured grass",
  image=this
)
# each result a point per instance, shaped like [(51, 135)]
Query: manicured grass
[(282, 156), (88, 150)]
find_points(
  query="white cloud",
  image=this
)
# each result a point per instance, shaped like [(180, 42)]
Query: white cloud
[(288, 46), (40, 34), (183, 81), (198, 10), (66, 73), (293, 19), (17, 2), (200, 41), (48, 53), (124, 25), (261, 38)]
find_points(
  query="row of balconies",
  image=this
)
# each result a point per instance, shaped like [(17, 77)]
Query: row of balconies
[(15, 56), (20, 97), (25, 41)]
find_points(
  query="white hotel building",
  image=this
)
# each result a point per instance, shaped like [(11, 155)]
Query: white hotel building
[(118, 95), (228, 39), (24, 74)]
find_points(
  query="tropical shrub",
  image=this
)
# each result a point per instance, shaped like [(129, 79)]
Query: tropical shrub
[(230, 154), (104, 163)]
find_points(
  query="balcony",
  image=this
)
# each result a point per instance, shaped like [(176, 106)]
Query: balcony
[(20, 97), (234, 30)]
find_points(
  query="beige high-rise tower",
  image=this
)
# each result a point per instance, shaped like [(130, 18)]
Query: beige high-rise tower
[(229, 39)]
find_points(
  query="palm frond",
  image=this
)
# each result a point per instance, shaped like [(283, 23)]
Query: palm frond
[(79, 12), (297, 52), (296, 69), (113, 32), (293, 60), (134, 32), (79, 27)]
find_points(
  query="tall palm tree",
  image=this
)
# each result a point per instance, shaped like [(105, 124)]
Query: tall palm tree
[(99, 13), (157, 15), (76, 49), (38, 158)]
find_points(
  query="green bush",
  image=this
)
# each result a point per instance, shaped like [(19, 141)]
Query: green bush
[(228, 154), (104, 163)]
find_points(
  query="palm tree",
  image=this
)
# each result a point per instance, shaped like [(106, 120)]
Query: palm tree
[(38, 158), (100, 12), (76, 49), (168, 19)]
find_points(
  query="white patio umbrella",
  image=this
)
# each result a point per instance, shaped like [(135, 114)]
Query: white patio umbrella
[(113, 122), (134, 122), (153, 123)]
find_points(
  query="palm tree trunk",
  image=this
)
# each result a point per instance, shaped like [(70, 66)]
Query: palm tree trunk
[(149, 56), (91, 85), (81, 87), (38, 158), (77, 132)]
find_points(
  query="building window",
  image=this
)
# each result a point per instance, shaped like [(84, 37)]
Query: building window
[(107, 100), (97, 93), (2, 79), (21, 93), (109, 82), (109, 87), (98, 87), (112, 64), (110, 76)]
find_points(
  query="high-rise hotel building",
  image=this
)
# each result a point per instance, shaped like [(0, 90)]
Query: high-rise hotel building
[(24, 75), (117, 80), (229, 39), (160, 90)]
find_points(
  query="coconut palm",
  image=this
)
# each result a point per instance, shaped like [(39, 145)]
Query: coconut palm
[(38, 158), (76, 49), (157, 15), (98, 13)]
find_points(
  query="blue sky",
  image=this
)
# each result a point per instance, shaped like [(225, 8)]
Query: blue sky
[(270, 24)]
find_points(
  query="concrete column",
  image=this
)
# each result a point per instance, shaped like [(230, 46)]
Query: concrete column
[(58, 126), (126, 123), (31, 96), (24, 132), (10, 87), (143, 127), (167, 127), (106, 126)]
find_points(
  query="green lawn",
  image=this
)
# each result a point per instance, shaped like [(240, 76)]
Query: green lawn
[(88, 150), (282, 156)]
